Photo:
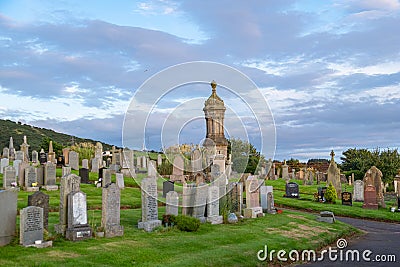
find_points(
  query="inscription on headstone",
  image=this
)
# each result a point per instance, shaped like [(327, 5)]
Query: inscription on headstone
[(31, 225), (40, 199), (110, 216)]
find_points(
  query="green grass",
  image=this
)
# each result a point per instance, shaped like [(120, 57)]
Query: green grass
[(307, 202), (212, 245)]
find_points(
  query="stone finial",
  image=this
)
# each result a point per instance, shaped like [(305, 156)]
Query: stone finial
[(332, 155), (214, 86), (51, 147)]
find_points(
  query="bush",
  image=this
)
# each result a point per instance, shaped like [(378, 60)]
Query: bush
[(330, 194), (186, 223)]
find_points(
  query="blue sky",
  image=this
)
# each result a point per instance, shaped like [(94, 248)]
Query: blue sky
[(330, 70)]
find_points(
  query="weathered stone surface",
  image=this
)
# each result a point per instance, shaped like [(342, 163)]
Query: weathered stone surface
[(252, 192), (8, 218), (235, 197), (172, 203), (69, 183), (253, 212), (374, 177), (213, 206), (40, 199), (189, 191), (78, 227), (358, 191), (334, 176), (149, 205), (110, 216), (31, 225)]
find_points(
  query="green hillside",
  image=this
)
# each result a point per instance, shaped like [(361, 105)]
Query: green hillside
[(35, 136)]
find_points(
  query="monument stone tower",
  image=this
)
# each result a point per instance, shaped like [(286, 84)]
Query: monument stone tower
[(214, 111)]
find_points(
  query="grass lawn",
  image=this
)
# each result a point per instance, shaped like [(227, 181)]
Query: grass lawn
[(212, 245), (307, 202)]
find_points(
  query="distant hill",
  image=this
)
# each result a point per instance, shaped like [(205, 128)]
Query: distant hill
[(35, 136)]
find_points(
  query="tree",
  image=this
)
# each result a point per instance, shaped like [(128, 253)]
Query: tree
[(389, 164), (358, 159), (245, 157), (57, 148), (330, 194)]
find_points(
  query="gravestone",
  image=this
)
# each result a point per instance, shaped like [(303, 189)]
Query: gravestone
[(19, 155), (292, 190), (347, 199), (95, 165), (35, 156), (213, 205), (21, 173), (42, 157), (270, 203), (144, 162), (119, 177), (265, 202), (128, 159), (235, 197), (110, 216), (374, 177), (334, 176), (60, 161), (370, 198), (200, 202), (159, 160), (149, 205), (252, 192), (152, 169), (11, 148), (65, 171), (139, 162), (9, 177), (196, 161), (85, 164), (6, 152), (358, 191), (50, 177), (285, 171), (65, 153), (40, 199), (167, 187), (321, 193), (74, 160), (177, 169), (84, 174), (172, 203), (31, 225), (78, 227), (16, 164), (69, 183), (31, 179), (188, 195), (326, 216), (8, 218), (4, 163), (106, 177), (40, 174), (51, 156)]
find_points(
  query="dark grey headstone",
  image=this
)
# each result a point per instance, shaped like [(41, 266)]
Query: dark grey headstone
[(292, 190), (40, 199), (84, 174), (8, 218), (167, 187), (31, 225), (347, 199)]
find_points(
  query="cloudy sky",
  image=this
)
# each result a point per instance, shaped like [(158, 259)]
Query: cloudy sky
[(329, 70)]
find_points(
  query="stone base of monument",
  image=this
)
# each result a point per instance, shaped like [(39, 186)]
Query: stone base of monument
[(326, 216), (32, 189), (78, 233), (13, 189), (50, 187), (253, 212), (271, 211), (149, 225), (60, 229), (215, 219), (201, 218), (42, 244), (371, 206), (115, 230)]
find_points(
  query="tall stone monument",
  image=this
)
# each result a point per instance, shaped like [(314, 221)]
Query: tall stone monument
[(110, 216), (334, 176), (149, 205)]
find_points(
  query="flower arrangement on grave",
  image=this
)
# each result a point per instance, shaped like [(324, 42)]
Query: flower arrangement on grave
[(14, 184), (34, 184)]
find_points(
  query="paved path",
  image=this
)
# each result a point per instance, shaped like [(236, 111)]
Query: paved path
[(383, 239)]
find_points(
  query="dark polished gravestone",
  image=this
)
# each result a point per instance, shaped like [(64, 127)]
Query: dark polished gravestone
[(347, 199), (84, 174), (321, 193), (167, 187), (292, 190)]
